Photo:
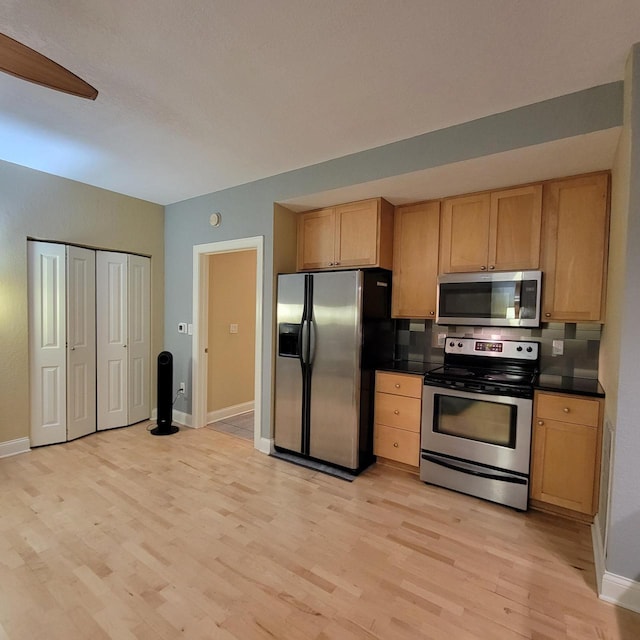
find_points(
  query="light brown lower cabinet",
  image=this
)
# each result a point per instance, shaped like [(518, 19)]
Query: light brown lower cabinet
[(565, 464), (398, 409)]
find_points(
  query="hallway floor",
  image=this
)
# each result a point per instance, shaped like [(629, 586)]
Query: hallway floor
[(240, 425)]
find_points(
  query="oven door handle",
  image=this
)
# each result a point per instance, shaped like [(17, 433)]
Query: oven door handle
[(472, 472)]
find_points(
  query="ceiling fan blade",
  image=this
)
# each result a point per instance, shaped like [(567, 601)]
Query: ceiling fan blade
[(23, 62)]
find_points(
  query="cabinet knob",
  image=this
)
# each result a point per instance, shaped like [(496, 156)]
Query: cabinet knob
[(396, 445), (397, 385), (432, 313), (566, 409), (483, 268), (547, 315), (540, 423), (73, 348), (397, 412), (492, 267)]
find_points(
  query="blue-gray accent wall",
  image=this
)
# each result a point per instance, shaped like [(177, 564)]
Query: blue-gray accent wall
[(247, 209)]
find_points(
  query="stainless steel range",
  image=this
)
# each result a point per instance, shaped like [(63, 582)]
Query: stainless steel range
[(476, 419)]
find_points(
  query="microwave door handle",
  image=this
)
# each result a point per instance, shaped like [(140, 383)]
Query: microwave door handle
[(516, 298)]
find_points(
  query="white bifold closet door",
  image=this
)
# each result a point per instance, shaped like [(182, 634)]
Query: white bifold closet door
[(61, 342), (123, 339)]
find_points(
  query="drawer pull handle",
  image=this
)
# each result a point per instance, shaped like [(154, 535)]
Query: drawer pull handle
[(397, 385), (540, 422), (547, 315), (566, 409), (395, 444), (396, 412)]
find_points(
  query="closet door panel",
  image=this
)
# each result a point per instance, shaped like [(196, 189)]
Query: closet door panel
[(112, 328), (139, 329), (47, 342), (81, 342)]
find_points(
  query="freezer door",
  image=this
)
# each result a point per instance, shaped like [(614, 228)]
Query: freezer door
[(335, 367), (288, 386)]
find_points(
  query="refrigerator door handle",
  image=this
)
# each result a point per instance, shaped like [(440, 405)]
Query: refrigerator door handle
[(304, 340), (312, 339)]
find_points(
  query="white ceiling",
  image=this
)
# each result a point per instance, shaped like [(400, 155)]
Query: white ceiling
[(200, 95)]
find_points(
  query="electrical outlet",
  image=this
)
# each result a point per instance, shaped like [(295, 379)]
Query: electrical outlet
[(557, 348), (183, 388), (441, 338), (233, 328)]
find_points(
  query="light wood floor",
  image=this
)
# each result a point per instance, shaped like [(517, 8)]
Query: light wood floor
[(124, 535)]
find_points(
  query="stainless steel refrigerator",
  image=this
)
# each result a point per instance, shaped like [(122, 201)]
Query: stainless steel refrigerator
[(333, 329)]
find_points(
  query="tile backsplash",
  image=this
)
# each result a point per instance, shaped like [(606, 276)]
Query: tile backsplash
[(417, 340)]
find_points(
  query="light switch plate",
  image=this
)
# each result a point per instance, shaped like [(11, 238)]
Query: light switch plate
[(233, 328), (182, 327)]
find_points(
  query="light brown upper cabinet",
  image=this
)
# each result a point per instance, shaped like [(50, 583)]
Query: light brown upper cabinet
[(358, 234), (415, 260), (496, 231), (574, 250)]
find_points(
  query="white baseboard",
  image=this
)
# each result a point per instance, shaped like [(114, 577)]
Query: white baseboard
[(598, 552), (621, 591), (263, 445), (14, 447), (612, 588), (228, 412), (182, 418)]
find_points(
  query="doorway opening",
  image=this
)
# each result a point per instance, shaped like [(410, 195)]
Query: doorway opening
[(201, 354)]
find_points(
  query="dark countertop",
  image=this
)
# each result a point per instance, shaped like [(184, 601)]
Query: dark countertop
[(408, 366), (545, 382), (567, 384)]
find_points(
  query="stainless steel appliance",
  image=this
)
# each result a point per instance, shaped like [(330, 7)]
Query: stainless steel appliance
[(333, 328), (502, 299), (476, 419)]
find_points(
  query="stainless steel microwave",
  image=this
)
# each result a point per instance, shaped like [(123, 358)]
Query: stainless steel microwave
[(501, 299)]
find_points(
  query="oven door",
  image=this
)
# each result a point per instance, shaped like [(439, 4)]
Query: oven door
[(479, 428)]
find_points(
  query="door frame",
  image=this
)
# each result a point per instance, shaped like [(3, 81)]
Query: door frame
[(199, 358)]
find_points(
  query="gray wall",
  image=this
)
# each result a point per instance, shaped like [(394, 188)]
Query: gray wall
[(620, 341), (247, 210), (39, 205)]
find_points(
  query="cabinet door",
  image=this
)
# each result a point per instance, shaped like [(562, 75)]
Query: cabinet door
[(574, 252), (81, 342), (139, 339), (316, 239), (47, 343), (112, 324), (415, 260), (357, 233), (564, 464), (464, 239), (514, 232)]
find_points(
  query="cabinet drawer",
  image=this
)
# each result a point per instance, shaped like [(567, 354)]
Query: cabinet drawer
[(397, 444), (400, 384), (398, 411), (567, 409)]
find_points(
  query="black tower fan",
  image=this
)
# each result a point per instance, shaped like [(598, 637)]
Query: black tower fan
[(165, 390)]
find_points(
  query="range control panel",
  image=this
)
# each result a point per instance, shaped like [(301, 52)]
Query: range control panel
[(518, 349)]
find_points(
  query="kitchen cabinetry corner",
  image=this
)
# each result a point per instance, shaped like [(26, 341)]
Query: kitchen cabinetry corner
[(575, 223), (357, 234)]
